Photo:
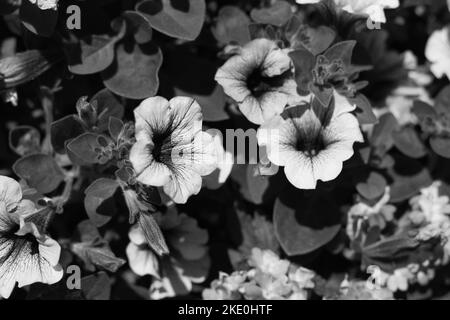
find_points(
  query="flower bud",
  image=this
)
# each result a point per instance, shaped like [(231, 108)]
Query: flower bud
[(87, 111)]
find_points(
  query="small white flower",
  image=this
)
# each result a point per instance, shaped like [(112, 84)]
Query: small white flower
[(437, 52)]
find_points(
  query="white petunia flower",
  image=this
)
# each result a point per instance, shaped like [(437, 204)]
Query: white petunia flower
[(437, 52), (171, 150), (372, 8), (311, 144), (260, 80), (27, 255)]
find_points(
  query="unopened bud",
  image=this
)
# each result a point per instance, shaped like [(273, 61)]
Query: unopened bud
[(87, 111)]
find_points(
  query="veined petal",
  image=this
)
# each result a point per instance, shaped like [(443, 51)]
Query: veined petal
[(10, 193), (142, 261), (299, 171), (184, 183), (151, 115)]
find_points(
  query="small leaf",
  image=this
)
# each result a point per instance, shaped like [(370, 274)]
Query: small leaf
[(99, 202), (304, 62), (88, 148), (115, 127), (423, 110), (257, 184), (382, 132), (213, 105), (107, 106), (232, 26), (40, 171), (373, 187), (305, 222), (96, 286), (134, 74), (364, 111), (442, 101), (441, 145), (181, 19), (406, 186), (278, 14), (341, 51), (409, 143), (64, 130)]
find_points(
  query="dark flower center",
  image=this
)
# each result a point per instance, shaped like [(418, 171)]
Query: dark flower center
[(259, 84), (162, 146)]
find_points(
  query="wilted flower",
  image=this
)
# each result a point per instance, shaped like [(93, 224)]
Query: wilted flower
[(45, 4), (259, 78), (23, 67), (372, 8), (27, 255), (171, 150), (312, 143), (437, 52)]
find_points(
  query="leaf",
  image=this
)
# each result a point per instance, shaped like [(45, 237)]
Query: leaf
[(373, 187), (94, 250), (409, 143), (40, 171), (137, 25), (134, 74), (64, 130), (278, 14), (181, 19), (88, 148), (257, 184), (304, 222), (99, 202), (96, 286), (213, 105), (92, 55), (25, 140), (442, 101), (423, 110), (153, 234), (341, 51), (107, 106), (319, 39), (40, 22), (441, 145), (383, 131), (404, 187), (304, 62), (115, 127), (232, 26), (323, 95), (364, 111)]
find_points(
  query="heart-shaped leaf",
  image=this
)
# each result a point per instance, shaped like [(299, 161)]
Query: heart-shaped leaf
[(107, 106), (341, 51), (89, 148), (278, 14), (64, 130), (232, 26), (409, 143), (134, 74), (181, 19), (99, 202), (304, 222), (40, 171), (373, 187), (441, 145)]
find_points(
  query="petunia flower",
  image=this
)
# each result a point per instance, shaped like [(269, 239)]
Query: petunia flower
[(171, 150), (372, 8), (312, 144), (27, 254), (437, 52), (259, 78)]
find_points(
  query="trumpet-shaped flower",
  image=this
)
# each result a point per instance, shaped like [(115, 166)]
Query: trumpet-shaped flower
[(259, 78), (171, 150), (27, 255), (437, 52), (312, 143), (372, 8)]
